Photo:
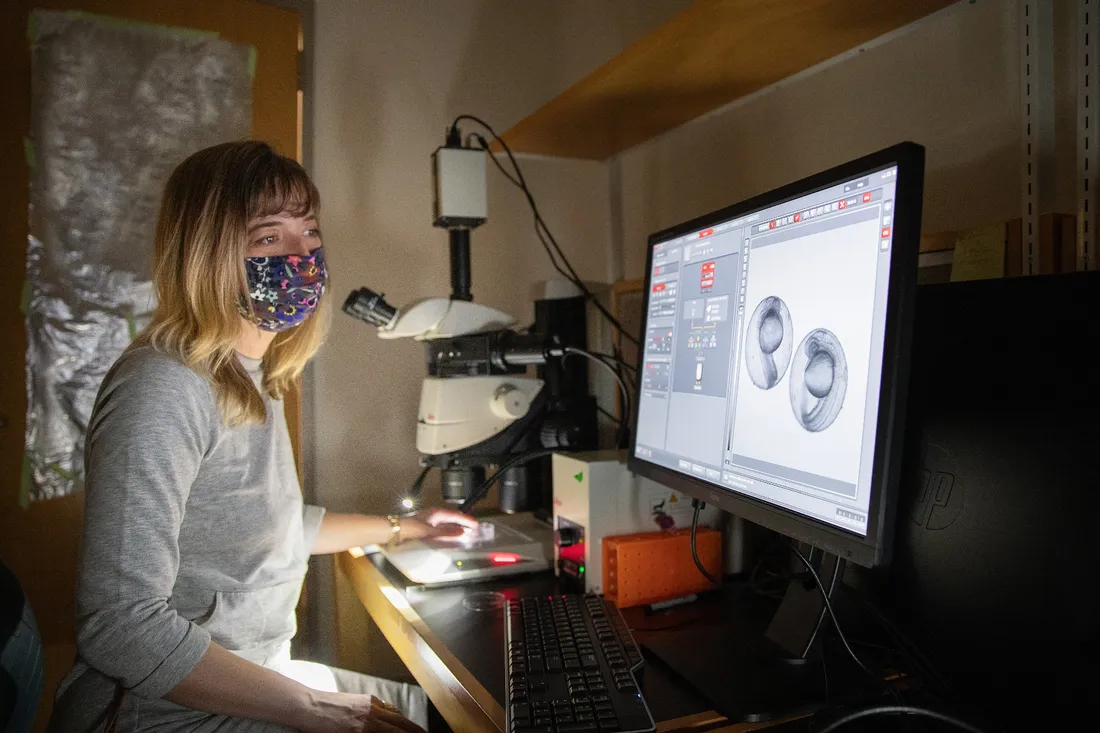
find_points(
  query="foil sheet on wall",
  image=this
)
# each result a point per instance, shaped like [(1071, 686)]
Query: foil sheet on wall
[(115, 105)]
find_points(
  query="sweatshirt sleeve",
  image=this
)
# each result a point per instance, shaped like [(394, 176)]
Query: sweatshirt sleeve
[(148, 434)]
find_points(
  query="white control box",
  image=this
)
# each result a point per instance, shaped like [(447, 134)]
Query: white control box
[(595, 496)]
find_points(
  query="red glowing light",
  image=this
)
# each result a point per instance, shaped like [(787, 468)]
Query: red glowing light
[(503, 558)]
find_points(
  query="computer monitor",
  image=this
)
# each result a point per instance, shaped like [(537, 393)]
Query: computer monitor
[(773, 369)]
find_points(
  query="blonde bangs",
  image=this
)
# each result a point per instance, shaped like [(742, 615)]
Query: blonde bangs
[(280, 186), (201, 241)]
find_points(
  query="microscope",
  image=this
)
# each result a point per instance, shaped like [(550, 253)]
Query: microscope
[(481, 406)]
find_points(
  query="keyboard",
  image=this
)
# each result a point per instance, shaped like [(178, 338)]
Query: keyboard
[(572, 667)]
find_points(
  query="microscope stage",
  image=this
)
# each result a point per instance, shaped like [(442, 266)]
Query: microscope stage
[(502, 545)]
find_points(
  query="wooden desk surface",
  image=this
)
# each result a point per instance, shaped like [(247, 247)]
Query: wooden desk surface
[(462, 689), (460, 698)]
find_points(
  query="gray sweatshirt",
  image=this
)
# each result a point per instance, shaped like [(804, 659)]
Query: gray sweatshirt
[(193, 531)]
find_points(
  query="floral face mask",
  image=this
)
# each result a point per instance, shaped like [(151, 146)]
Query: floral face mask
[(283, 290)]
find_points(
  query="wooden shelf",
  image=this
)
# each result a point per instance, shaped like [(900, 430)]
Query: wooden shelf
[(709, 54)]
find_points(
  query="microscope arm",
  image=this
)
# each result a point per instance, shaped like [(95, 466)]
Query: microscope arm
[(434, 318)]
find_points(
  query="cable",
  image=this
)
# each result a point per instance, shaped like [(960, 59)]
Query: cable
[(631, 371), (520, 181), (697, 506), (836, 625), (540, 226), (832, 615), (758, 585), (521, 184), (899, 709), (412, 494), (611, 358), (908, 649), (520, 458), (417, 486), (479, 493), (837, 569), (625, 380), (624, 423), (927, 669)]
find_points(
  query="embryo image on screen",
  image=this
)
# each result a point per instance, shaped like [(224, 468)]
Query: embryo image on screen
[(819, 380), (825, 281), (769, 342)]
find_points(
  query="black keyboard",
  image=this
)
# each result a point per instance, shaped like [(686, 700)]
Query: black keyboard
[(572, 667)]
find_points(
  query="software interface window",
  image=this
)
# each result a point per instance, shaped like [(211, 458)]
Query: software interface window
[(763, 350)]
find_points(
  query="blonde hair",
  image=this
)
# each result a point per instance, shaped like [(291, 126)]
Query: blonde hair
[(201, 242)]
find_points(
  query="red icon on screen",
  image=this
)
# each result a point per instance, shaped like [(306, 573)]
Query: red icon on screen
[(771, 225), (797, 218), (842, 204), (706, 278), (866, 197), (659, 287), (706, 233), (886, 232)]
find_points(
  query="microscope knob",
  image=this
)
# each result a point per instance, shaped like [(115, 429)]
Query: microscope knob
[(510, 402)]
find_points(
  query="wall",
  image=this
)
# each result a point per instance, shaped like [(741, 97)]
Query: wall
[(949, 82), (388, 79)]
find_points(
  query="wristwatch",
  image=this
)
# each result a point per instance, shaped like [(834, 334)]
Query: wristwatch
[(395, 529)]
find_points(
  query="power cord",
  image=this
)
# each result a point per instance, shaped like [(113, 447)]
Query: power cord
[(874, 710), (879, 709), (697, 506), (909, 650), (613, 359), (620, 366), (541, 229), (624, 422), (761, 586), (479, 493), (836, 625), (628, 371)]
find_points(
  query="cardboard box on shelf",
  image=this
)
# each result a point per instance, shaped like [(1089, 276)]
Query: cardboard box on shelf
[(975, 259)]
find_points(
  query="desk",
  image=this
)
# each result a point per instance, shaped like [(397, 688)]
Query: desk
[(457, 655)]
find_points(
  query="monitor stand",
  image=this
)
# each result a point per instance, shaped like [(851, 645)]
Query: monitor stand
[(750, 676)]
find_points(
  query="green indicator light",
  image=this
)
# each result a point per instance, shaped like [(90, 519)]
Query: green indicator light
[(582, 568)]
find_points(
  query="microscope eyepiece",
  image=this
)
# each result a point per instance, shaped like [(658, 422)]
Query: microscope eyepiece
[(369, 307)]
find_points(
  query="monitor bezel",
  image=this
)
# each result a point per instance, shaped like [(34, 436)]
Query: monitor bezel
[(875, 548)]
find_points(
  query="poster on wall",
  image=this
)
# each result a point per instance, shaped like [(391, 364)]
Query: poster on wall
[(115, 105)]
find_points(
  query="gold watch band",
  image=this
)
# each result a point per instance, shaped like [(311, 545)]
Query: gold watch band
[(395, 529)]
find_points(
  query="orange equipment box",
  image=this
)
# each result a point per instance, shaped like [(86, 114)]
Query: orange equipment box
[(650, 567)]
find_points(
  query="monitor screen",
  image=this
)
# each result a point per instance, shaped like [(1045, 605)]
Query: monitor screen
[(763, 348)]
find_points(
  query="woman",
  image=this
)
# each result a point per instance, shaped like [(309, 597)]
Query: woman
[(195, 535)]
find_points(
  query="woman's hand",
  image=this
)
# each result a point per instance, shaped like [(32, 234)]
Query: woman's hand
[(437, 524), (338, 532), (347, 713)]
